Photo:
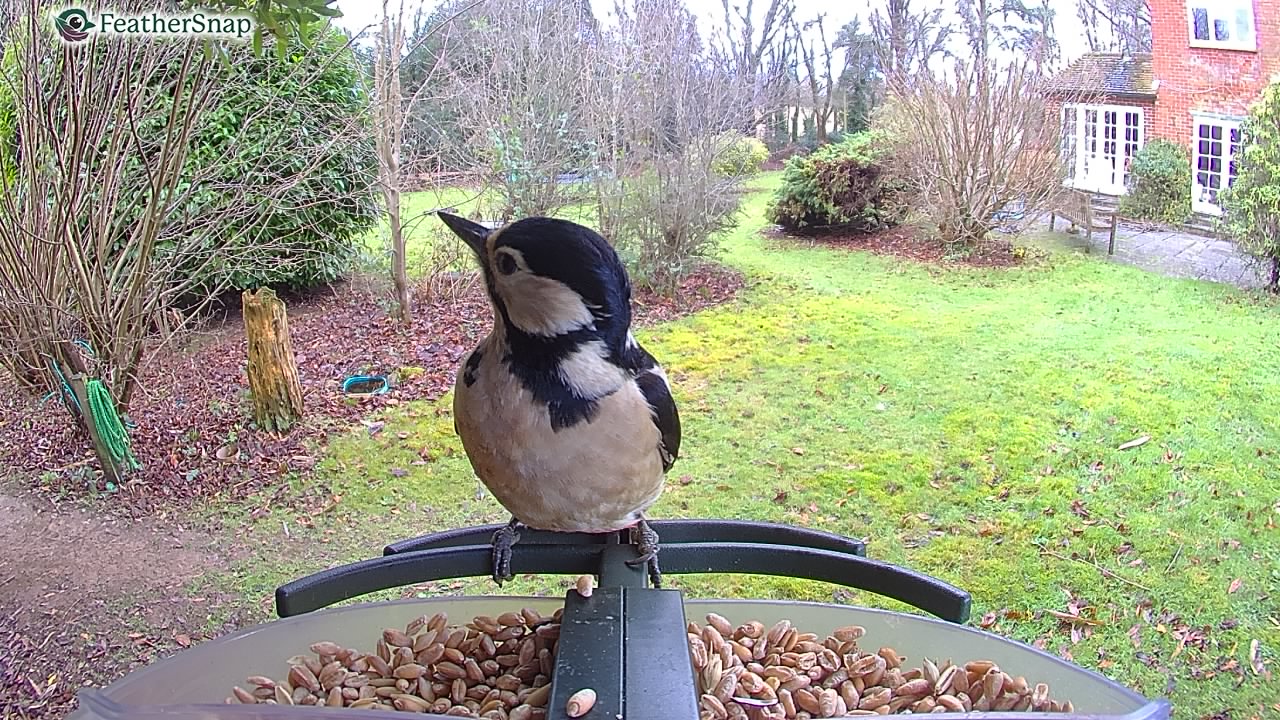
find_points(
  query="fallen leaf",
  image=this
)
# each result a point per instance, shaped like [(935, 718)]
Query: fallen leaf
[(1255, 657), (226, 452), (399, 472), (686, 479), (183, 640), (780, 497), (1235, 585), (1136, 442), (1074, 619), (374, 427), (797, 450)]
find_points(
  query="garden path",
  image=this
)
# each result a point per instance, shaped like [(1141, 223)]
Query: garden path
[(1178, 253)]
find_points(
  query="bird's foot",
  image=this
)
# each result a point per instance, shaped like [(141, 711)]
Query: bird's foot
[(503, 539), (646, 542)]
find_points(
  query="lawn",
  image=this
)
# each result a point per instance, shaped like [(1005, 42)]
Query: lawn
[(966, 422)]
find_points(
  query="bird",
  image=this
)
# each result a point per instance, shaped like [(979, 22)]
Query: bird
[(565, 418)]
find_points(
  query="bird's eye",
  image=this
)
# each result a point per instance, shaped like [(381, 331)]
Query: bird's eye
[(506, 263)]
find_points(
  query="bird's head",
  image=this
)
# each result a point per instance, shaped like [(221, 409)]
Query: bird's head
[(549, 277)]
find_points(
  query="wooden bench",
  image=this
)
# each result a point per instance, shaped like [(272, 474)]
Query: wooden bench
[(1076, 206)]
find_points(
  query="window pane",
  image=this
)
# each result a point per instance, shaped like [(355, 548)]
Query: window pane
[(1202, 163), (1243, 31), (1220, 32), (1215, 132), (1200, 19), (1202, 131), (1203, 148), (1215, 149), (1215, 165)]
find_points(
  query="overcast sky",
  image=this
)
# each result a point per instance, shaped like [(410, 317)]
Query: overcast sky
[(710, 13)]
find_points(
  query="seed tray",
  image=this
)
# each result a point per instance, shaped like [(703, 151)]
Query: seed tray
[(628, 641)]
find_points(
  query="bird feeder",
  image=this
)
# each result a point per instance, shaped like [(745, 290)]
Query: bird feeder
[(625, 641)]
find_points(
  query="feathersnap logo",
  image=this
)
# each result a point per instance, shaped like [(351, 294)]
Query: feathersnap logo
[(74, 24)]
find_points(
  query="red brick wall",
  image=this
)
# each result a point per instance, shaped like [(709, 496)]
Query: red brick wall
[(1208, 79)]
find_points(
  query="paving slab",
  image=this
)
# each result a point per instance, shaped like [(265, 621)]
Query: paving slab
[(1179, 254)]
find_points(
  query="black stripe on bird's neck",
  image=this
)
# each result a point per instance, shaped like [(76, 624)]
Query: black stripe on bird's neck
[(535, 361)]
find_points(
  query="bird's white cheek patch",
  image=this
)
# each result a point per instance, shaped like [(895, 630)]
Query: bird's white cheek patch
[(542, 306), (588, 373)]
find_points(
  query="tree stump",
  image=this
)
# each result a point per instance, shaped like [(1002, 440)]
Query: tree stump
[(272, 370)]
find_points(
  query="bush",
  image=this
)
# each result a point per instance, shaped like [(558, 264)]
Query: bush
[(846, 183), (1160, 184), (809, 140), (666, 219), (309, 152), (278, 184), (737, 155), (974, 145), (1252, 202)]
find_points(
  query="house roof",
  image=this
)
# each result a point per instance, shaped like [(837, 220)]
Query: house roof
[(1107, 73)]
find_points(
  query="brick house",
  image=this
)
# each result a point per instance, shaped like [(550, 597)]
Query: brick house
[(1210, 60)]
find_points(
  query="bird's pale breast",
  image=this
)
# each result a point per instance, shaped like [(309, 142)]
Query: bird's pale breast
[(594, 476)]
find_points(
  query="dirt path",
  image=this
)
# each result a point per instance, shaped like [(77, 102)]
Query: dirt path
[(84, 598)]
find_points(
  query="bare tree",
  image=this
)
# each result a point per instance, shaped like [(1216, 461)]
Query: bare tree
[(819, 75), (861, 81), (659, 113), (389, 124), (1116, 25), (98, 239), (520, 90), (907, 40), (71, 268), (760, 62), (1011, 25), (968, 153)]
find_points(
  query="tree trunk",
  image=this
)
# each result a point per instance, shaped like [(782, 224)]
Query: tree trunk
[(273, 372), (389, 139), (1273, 283)]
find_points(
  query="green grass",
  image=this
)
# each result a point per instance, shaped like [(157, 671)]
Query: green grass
[(429, 246), (967, 424)]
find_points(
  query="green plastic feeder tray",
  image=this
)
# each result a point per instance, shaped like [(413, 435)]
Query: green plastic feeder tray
[(626, 641)]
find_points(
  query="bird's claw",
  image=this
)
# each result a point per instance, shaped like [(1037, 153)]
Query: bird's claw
[(503, 539), (646, 542)]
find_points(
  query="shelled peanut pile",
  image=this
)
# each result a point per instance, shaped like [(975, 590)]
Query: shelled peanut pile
[(500, 669), (494, 668), (755, 672)]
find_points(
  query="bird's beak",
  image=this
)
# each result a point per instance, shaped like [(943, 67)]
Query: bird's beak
[(473, 234)]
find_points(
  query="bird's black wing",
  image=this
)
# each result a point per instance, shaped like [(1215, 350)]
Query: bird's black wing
[(653, 385)]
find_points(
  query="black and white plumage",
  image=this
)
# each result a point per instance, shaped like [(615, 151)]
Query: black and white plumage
[(566, 419)]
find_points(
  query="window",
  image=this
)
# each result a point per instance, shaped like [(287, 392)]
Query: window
[(1215, 143), (1098, 143), (1221, 24)]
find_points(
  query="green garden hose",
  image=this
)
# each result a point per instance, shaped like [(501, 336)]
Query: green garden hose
[(110, 429)]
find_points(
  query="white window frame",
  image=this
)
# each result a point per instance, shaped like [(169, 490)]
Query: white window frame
[(1079, 174), (1225, 11), (1200, 201)]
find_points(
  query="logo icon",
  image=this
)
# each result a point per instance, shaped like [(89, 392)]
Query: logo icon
[(72, 25)]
